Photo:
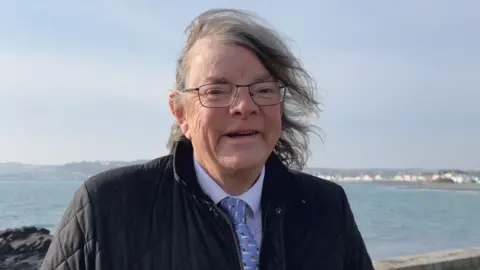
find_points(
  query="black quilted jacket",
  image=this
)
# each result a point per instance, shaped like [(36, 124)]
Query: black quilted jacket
[(155, 216)]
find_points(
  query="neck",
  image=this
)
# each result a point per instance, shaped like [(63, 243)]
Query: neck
[(233, 181)]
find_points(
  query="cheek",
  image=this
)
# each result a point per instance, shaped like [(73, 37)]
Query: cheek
[(193, 116), (206, 123), (214, 122), (273, 120)]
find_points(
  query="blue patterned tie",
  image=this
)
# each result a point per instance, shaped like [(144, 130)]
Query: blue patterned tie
[(237, 211)]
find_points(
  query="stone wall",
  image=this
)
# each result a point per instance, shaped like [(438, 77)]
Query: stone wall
[(462, 259)]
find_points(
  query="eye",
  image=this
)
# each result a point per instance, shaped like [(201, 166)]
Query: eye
[(265, 88), (214, 89)]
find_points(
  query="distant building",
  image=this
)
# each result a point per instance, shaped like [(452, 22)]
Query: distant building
[(458, 176)]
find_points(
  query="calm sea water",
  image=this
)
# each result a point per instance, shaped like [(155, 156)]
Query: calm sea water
[(393, 221)]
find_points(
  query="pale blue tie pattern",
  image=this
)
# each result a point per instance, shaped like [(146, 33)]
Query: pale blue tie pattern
[(237, 211)]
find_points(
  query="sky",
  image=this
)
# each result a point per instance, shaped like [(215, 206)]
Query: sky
[(88, 80)]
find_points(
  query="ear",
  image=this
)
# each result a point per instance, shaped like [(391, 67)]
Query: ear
[(179, 112)]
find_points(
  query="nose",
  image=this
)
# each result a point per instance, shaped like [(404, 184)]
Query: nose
[(243, 104)]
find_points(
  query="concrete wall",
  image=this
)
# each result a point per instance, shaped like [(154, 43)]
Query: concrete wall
[(462, 259)]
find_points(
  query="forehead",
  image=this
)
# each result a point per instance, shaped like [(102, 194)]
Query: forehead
[(217, 61)]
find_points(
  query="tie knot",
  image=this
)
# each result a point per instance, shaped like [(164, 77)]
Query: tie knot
[(236, 209)]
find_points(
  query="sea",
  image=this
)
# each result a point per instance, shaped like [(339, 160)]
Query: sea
[(394, 221)]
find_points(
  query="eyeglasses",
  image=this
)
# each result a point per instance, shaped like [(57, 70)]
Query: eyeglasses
[(220, 95)]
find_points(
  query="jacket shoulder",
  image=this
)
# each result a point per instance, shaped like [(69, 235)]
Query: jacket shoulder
[(127, 177), (313, 184), (334, 215), (99, 209), (121, 192), (323, 193)]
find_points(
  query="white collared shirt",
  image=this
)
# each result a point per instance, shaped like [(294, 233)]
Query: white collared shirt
[(252, 197)]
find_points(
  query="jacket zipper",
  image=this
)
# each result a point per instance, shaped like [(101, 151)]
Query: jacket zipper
[(232, 230)]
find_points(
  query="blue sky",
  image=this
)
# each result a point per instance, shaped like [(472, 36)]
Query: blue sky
[(89, 80)]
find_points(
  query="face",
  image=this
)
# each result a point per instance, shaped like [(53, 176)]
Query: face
[(212, 130)]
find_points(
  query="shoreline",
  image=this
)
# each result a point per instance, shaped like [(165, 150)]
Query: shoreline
[(26, 247), (417, 185)]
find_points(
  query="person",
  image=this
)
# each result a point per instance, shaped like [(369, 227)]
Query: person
[(231, 194)]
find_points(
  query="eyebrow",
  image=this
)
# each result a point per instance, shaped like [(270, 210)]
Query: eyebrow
[(264, 77), (217, 79)]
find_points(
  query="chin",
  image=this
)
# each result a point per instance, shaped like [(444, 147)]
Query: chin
[(242, 161)]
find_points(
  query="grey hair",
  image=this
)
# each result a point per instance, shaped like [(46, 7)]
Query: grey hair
[(246, 29)]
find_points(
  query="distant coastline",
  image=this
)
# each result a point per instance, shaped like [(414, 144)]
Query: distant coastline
[(418, 185), (81, 171)]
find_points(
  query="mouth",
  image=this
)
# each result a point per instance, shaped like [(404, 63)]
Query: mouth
[(242, 134)]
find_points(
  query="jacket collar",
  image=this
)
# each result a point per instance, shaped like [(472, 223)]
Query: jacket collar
[(277, 186)]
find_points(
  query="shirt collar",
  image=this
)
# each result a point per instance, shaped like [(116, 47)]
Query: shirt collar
[(252, 197)]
